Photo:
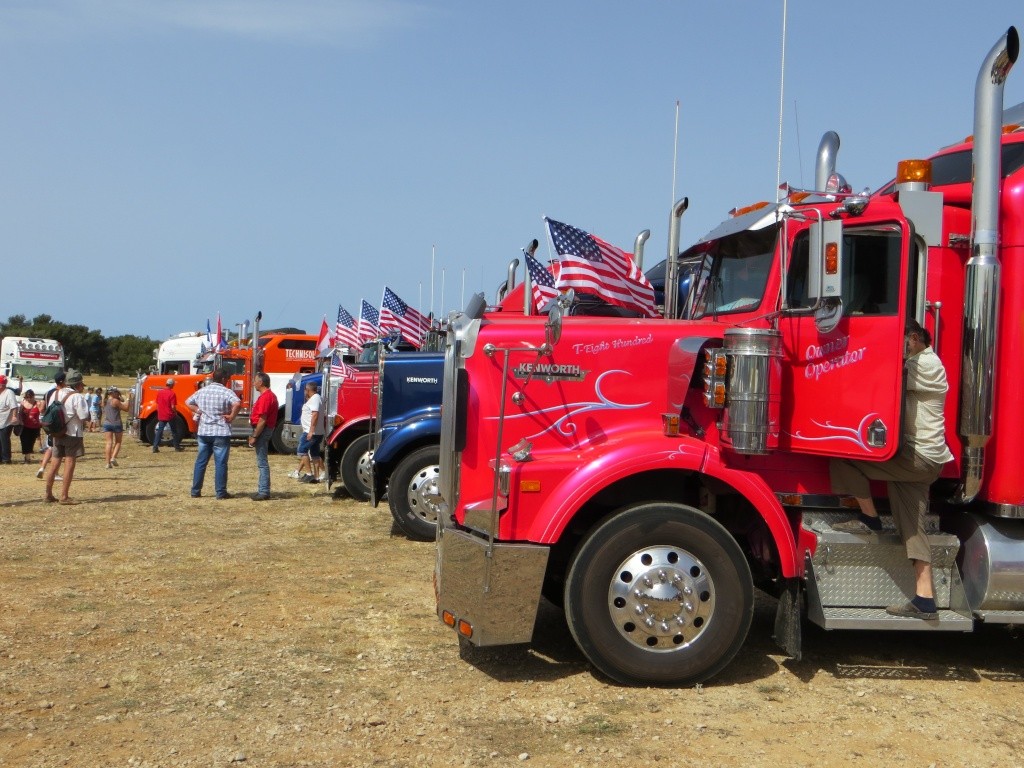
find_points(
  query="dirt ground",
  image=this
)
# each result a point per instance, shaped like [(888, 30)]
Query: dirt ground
[(146, 628)]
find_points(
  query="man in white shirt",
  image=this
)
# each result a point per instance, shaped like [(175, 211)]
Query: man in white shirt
[(910, 473), (9, 411), (71, 445), (312, 436)]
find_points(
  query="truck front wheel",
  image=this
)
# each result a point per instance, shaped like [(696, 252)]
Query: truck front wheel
[(285, 447), (413, 495), (147, 433), (659, 594), (355, 468)]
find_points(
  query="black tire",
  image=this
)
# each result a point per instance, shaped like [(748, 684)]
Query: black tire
[(148, 431), (659, 594), (355, 468), (278, 441), (412, 493)]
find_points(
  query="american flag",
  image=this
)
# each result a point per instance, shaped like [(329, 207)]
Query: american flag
[(543, 283), (594, 266), (346, 333), (369, 323), (395, 313), (339, 368)]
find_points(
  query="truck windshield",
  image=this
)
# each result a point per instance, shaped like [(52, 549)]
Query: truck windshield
[(733, 272), (234, 367), (369, 355), (36, 373)]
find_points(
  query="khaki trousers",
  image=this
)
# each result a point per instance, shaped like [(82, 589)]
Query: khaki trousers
[(908, 478)]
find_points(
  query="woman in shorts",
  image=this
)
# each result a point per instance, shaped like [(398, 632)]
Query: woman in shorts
[(113, 429)]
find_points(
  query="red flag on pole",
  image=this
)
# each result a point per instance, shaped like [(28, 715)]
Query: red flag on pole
[(324, 341)]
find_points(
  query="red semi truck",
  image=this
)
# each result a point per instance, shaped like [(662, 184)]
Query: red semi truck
[(648, 474)]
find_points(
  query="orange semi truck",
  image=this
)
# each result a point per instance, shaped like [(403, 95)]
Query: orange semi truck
[(281, 355)]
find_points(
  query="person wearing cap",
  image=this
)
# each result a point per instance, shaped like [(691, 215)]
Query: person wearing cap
[(71, 445), (166, 408), (59, 384), (9, 417)]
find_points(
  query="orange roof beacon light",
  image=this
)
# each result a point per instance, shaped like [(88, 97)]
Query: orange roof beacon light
[(914, 171)]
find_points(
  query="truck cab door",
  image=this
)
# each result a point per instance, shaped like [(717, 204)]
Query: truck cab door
[(844, 385)]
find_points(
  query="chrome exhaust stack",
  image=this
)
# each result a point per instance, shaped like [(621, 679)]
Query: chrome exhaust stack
[(638, 248), (981, 291), (672, 268), (825, 165)]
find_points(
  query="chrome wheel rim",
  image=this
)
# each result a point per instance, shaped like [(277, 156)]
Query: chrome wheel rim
[(661, 598)]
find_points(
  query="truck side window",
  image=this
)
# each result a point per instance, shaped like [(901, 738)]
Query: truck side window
[(871, 272)]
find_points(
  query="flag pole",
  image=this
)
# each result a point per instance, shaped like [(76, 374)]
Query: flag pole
[(433, 254), (675, 156)]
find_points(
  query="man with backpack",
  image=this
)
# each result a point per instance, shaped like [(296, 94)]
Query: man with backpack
[(67, 439)]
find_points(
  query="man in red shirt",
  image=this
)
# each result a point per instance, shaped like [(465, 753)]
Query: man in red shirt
[(263, 419), (166, 409)]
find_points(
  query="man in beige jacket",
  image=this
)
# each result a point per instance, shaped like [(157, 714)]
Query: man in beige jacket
[(910, 473)]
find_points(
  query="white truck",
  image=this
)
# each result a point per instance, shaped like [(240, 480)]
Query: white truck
[(178, 353)]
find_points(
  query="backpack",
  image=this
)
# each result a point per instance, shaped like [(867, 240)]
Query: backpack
[(54, 421)]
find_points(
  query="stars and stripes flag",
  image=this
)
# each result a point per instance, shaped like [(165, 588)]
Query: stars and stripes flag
[(592, 265), (395, 313), (324, 341), (369, 323), (346, 332), (339, 368), (543, 283)]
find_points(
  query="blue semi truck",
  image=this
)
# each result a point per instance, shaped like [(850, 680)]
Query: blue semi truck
[(406, 445)]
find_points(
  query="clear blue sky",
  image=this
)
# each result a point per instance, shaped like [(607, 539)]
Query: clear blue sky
[(169, 159)]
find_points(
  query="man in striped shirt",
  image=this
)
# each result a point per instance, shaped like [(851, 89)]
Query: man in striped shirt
[(214, 407)]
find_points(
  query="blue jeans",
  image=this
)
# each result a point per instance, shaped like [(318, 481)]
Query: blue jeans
[(262, 444), (158, 434), (219, 447)]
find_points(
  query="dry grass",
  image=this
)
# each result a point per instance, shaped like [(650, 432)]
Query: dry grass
[(145, 628)]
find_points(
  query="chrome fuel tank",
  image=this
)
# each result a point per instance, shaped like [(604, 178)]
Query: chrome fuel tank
[(992, 562)]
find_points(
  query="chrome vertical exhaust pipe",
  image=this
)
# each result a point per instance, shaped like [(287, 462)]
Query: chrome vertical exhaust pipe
[(981, 291), (672, 267), (638, 248), (825, 165)]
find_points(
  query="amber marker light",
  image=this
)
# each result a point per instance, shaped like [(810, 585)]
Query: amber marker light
[(720, 393), (448, 618), (670, 424), (465, 628), (748, 208), (721, 364), (529, 486), (914, 170), (831, 258)]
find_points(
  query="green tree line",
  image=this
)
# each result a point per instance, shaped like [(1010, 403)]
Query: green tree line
[(86, 349)]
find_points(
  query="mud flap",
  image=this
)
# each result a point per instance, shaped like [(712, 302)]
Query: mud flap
[(787, 619)]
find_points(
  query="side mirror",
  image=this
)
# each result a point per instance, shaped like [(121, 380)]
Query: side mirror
[(553, 327), (825, 270)]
